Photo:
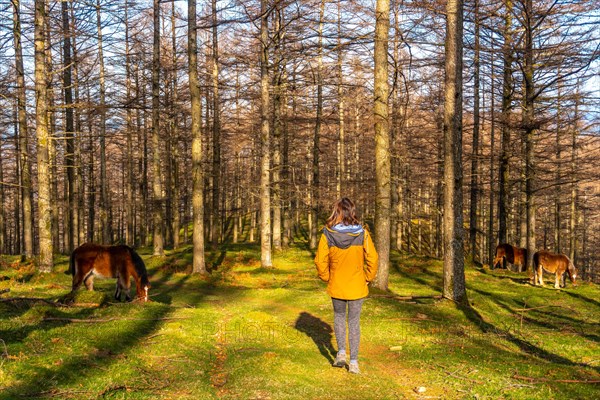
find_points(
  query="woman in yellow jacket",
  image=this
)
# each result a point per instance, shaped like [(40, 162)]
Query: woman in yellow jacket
[(347, 260)]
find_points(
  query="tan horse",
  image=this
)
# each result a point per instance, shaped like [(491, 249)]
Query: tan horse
[(505, 253), (121, 262), (556, 264)]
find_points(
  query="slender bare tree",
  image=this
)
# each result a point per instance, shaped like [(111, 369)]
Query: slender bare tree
[(158, 198), (199, 265), (265, 141), (43, 141), (454, 275), (25, 164), (382, 143)]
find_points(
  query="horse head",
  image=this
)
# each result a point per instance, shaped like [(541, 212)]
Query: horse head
[(572, 271)]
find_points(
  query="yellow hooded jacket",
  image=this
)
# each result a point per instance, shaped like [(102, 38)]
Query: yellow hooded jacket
[(347, 260)]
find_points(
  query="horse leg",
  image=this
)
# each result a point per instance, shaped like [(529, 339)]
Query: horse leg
[(126, 285), (77, 281), (557, 279), (89, 280), (118, 290), (540, 275)]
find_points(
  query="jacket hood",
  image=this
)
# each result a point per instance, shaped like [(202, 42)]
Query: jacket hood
[(344, 236)]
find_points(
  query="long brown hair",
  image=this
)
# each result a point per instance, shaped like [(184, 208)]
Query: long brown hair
[(344, 212)]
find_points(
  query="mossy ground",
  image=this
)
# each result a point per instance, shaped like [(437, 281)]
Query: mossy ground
[(245, 332)]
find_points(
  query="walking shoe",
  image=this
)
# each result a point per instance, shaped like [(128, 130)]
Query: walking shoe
[(353, 368), (340, 360)]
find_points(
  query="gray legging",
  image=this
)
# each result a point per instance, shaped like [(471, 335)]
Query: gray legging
[(339, 324)]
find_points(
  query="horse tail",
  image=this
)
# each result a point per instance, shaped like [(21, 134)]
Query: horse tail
[(536, 260), (71, 270), (139, 265)]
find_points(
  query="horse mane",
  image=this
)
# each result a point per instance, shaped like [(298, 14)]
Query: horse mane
[(139, 265)]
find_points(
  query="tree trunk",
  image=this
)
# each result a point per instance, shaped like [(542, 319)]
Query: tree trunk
[(491, 242), (53, 143), (573, 205), (174, 156), (157, 209), (454, 278), (199, 265), (129, 203), (215, 216), (43, 141), (69, 127), (265, 136), (91, 187), (78, 189), (529, 125), (25, 164), (475, 147), (3, 241), (18, 214), (105, 223), (439, 189), (507, 89), (382, 143), (278, 76), (314, 187), (341, 150)]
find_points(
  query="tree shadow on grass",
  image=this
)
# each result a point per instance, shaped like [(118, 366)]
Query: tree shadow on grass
[(582, 298), (577, 325), (421, 281), (47, 379), (319, 331), (475, 317), (54, 380)]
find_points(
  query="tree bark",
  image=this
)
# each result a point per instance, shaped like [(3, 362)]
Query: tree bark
[(278, 93), (158, 198), (507, 89), (454, 278), (573, 200), (69, 127), (129, 203), (265, 136), (382, 143), (314, 187), (3, 241), (43, 141), (79, 216), (216, 224), (104, 209), (529, 131), (199, 265), (25, 164), (475, 146), (341, 150), (491, 243)]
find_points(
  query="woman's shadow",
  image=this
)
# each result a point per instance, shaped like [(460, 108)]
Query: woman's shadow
[(319, 331)]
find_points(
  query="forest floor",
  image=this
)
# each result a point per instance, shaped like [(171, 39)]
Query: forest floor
[(245, 332)]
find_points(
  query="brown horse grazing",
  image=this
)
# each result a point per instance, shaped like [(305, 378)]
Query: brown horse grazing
[(506, 253), (556, 264), (121, 262)]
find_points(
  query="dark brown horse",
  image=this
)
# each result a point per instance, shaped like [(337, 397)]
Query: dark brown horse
[(121, 262), (556, 264), (506, 253)]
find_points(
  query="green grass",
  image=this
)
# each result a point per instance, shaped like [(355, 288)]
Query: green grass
[(245, 332)]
